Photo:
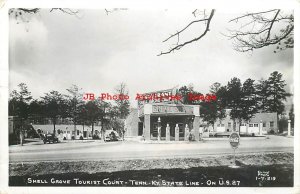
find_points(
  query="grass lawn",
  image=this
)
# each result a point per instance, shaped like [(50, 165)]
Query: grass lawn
[(271, 169)]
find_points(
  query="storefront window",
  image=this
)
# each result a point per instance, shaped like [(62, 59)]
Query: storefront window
[(229, 124)]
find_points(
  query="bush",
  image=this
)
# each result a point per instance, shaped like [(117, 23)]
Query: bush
[(65, 138), (96, 137), (13, 139), (271, 132), (191, 137), (31, 133), (81, 138)]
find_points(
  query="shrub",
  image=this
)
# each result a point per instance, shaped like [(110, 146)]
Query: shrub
[(13, 139), (81, 138), (271, 132), (191, 137)]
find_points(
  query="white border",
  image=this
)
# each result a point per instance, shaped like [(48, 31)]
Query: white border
[(172, 4)]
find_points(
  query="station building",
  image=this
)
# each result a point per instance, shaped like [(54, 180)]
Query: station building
[(151, 116), (163, 119)]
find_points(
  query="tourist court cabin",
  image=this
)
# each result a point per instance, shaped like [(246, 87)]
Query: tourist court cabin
[(171, 120)]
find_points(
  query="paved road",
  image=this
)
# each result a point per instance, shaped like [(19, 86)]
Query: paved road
[(96, 150)]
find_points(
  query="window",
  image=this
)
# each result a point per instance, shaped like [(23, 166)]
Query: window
[(250, 125), (229, 124), (264, 124), (222, 125), (68, 131), (77, 132), (255, 125), (272, 124)]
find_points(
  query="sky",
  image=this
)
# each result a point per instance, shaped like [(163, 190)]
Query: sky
[(97, 51)]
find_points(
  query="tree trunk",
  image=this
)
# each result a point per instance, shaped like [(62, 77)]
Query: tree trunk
[(86, 131), (240, 127), (21, 137), (54, 122), (102, 130), (75, 131), (92, 129), (21, 133), (277, 123), (103, 135), (234, 125)]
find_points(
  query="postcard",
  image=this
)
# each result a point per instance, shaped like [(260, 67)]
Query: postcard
[(157, 97)]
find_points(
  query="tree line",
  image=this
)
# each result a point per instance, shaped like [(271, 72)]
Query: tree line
[(55, 105), (244, 99)]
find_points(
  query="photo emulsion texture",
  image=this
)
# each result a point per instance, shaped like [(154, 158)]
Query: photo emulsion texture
[(151, 98)]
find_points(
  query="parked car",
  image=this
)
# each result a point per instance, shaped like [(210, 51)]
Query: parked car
[(111, 135), (50, 138)]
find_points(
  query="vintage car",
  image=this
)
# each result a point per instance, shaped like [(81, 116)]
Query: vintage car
[(111, 135), (50, 138)]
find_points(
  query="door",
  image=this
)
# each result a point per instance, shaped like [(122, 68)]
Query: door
[(243, 128), (253, 128), (155, 129), (140, 129), (181, 129), (220, 128)]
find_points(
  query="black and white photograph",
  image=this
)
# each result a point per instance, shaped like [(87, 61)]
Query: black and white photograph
[(156, 97)]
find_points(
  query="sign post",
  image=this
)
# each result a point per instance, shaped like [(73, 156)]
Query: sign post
[(234, 140)]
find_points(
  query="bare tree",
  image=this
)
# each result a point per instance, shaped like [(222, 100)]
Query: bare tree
[(205, 20), (257, 30), (261, 29), (22, 13)]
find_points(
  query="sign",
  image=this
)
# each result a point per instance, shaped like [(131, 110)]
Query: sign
[(234, 140), (172, 109), (159, 96)]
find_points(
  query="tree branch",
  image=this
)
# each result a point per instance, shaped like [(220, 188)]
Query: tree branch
[(179, 46), (251, 14), (262, 33), (272, 22)]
